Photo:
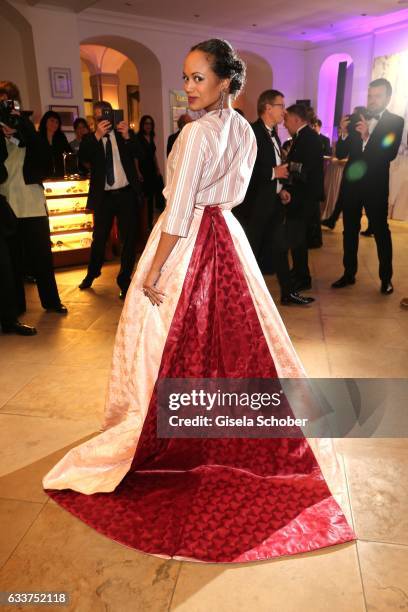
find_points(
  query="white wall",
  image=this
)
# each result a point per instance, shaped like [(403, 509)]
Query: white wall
[(127, 76), (170, 43), (11, 63), (18, 61), (363, 50), (55, 36), (360, 50), (158, 49)]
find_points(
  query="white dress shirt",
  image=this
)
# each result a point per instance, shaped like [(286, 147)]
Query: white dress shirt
[(372, 124), (119, 173), (210, 163), (25, 200), (278, 158)]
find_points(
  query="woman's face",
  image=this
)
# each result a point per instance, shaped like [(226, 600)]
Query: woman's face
[(81, 131), (202, 86), (148, 126), (52, 125)]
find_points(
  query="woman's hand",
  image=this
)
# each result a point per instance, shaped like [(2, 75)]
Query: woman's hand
[(166, 244), (150, 289)]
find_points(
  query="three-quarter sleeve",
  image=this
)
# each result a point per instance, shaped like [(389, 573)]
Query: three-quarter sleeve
[(187, 169)]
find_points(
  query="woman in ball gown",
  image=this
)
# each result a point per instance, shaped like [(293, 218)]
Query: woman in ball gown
[(198, 307)]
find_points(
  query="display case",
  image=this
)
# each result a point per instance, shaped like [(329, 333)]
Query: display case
[(70, 223)]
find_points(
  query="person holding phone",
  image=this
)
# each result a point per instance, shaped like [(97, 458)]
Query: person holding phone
[(114, 191), (25, 170), (370, 147)]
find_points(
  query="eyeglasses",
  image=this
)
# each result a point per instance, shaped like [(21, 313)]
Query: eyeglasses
[(281, 105)]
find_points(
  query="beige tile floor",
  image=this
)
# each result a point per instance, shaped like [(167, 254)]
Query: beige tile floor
[(46, 407)]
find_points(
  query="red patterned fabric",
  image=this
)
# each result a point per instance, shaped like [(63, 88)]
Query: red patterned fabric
[(216, 500)]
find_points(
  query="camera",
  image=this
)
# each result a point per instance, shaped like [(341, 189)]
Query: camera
[(355, 117), (6, 116), (295, 173)]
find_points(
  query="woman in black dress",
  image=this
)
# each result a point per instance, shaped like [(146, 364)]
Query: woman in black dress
[(54, 144), (148, 168)]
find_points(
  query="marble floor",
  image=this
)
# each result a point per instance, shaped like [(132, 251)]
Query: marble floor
[(46, 407)]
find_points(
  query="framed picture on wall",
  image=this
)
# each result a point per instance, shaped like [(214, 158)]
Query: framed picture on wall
[(61, 82), (68, 115)]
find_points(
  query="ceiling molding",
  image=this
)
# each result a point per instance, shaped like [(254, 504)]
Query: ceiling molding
[(163, 25), (82, 5), (349, 36)]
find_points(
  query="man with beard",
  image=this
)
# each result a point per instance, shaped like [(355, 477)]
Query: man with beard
[(370, 147)]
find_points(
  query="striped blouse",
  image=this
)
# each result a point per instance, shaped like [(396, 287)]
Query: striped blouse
[(211, 163)]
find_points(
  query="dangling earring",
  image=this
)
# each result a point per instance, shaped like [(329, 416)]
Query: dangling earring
[(221, 102)]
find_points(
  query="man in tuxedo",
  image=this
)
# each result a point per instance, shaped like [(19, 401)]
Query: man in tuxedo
[(324, 140), (305, 186), (114, 191), (370, 147), (181, 122), (9, 323), (262, 212)]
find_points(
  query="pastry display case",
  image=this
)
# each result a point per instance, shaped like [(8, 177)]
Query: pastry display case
[(70, 223)]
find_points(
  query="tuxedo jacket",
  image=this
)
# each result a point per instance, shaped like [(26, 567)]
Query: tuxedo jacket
[(326, 146), (35, 159), (308, 188), (92, 152), (261, 199), (372, 164)]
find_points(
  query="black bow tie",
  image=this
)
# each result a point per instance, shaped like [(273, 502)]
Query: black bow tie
[(376, 117)]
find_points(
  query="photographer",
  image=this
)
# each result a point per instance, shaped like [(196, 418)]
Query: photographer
[(370, 141), (114, 191), (25, 194), (331, 221), (9, 322), (302, 192)]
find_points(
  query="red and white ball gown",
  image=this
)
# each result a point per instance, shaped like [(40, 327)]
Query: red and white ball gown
[(212, 500)]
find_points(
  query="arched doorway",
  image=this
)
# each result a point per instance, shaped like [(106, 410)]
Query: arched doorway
[(259, 78), (334, 93), (110, 75), (148, 71), (19, 66)]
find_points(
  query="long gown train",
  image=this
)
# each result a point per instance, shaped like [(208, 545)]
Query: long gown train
[(212, 500)]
